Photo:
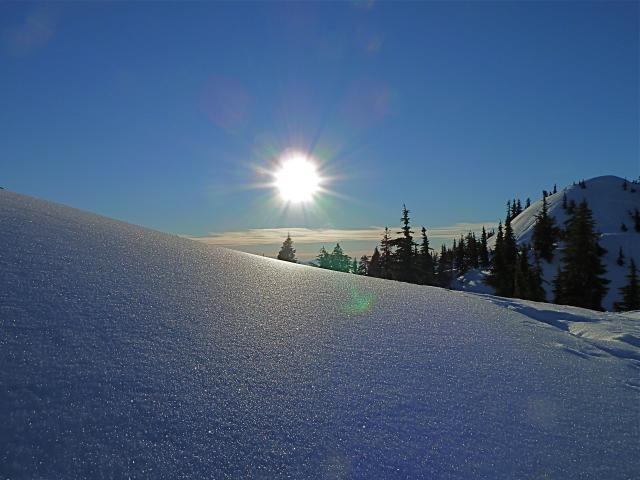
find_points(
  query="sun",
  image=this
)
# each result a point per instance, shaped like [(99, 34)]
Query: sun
[(297, 179)]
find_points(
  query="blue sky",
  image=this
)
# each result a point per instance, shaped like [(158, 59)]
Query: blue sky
[(161, 114)]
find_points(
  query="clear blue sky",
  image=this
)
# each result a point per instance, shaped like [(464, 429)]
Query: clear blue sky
[(157, 113)]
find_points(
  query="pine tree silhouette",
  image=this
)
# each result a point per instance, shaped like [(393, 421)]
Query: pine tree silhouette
[(287, 252), (386, 251), (322, 259), (545, 233), (405, 258), (425, 261), (363, 265), (630, 292), (374, 268), (580, 280), (484, 250)]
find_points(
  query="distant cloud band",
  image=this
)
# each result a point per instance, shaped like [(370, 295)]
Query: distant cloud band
[(270, 236)]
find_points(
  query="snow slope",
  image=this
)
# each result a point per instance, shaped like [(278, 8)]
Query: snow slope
[(610, 205), (126, 352)]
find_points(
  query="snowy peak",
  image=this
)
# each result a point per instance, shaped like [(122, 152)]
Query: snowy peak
[(612, 206)]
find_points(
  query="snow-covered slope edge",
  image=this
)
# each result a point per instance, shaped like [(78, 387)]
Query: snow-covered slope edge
[(131, 353), (610, 205)]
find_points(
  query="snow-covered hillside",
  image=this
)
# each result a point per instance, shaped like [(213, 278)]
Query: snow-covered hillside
[(126, 352), (610, 205)]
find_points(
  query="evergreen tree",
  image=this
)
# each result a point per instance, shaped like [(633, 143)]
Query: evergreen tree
[(354, 266), (555, 188), (528, 203), (522, 275), (459, 257), (322, 259), (425, 261), (544, 234), (620, 259), (498, 267), (444, 266), (386, 255), (536, 290), (636, 219), (374, 268), (471, 252), (510, 259), (623, 227), (564, 200), (580, 281), (338, 260), (625, 185), (484, 250), (363, 265), (287, 252), (405, 264), (631, 291)]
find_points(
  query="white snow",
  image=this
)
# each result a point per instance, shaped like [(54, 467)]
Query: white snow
[(126, 352), (610, 205)]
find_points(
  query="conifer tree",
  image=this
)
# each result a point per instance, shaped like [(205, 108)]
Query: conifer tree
[(338, 260), (443, 271), (322, 259), (425, 261), (459, 257), (545, 233), (631, 291), (555, 188), (354, 266), (374, 267), (510, 258), (536, 290), (623, 227), (620, 259), (522, 275), (386, 255), (363, 265), (564, 200), (484, 250), (528, 203), (498, 267), (471, 252), (405, 264), (580, 281), (287, 252)]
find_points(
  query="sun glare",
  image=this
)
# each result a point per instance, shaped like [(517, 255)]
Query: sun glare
[(297, 179)]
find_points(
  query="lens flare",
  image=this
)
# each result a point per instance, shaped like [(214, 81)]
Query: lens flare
[(297, 179)]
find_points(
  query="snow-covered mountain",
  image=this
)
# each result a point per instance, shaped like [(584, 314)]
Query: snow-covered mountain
[(126, 352), (611, 206)]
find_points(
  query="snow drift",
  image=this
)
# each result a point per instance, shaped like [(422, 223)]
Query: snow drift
[(126, 352)]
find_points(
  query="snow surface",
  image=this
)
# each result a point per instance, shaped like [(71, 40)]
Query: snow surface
[(611, 206), (126, 352)]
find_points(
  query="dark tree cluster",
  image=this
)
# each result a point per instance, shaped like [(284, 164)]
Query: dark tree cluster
[(407, 259), (580, 280), (512, 273), (630, 293), (336, 260), (514, 270)]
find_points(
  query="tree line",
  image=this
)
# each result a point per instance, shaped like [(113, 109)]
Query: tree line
[(514, 270)]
